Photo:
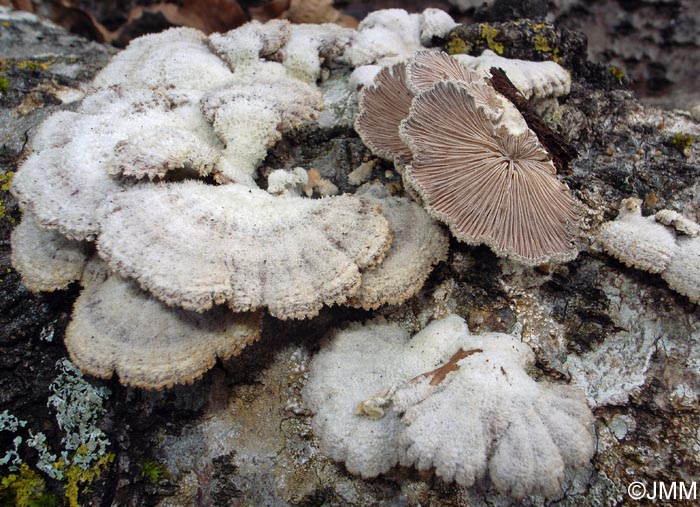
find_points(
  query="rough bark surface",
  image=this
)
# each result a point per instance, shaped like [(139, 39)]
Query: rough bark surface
[(241, 436)]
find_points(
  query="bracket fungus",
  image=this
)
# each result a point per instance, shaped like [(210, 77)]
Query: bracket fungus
[(203, 108), (118, 328), (290, 255), (252, 111), (183, 260), (311, 44), (390, 36), (489, 186), (638, 241), (250, 42), (471, 157), (417, 245), (46, 260), (462, 405), (667, 244), (178, 58), (535, 80)]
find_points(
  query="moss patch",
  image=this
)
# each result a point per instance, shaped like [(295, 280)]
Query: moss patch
[(618, 73), (25, 489)]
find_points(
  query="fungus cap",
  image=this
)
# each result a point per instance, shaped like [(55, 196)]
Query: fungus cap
[(46, 260), (683, 271), (418, 245), (536, 80), (66, 176), (523, 434), (383, 106), (638, 241), (176, 58), (681, 224), (249, 42), (425, 68), (311, 44), (435, 23), (252, 111), (487, 185), (385, 37), (117, 328), (462, 405), (254, 243)]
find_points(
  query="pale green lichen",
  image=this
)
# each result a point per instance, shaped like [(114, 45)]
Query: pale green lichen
[(78, 405)]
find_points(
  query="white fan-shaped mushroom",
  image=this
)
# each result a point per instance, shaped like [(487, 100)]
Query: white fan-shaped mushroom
[(194, 245), (638, 241), (537, 80), (418, 245), (116, 328), (46, 260), (178, 58), (248, 43), (462, 405)]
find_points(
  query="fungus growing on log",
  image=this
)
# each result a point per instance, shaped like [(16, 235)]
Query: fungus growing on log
[(446, 400), (311, 44), (683, 272), (488, 186), (252, 112), (255, 243), (535, 80), (250, 42), (418, 244), (425, 68), (681, 224), (46, 260), (638, 241), (667, 244), (117, 328), (383, 106), (178, 58)]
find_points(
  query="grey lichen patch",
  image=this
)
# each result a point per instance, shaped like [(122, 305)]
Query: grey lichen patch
[(116, 328), (46, 260), (323, 244)]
